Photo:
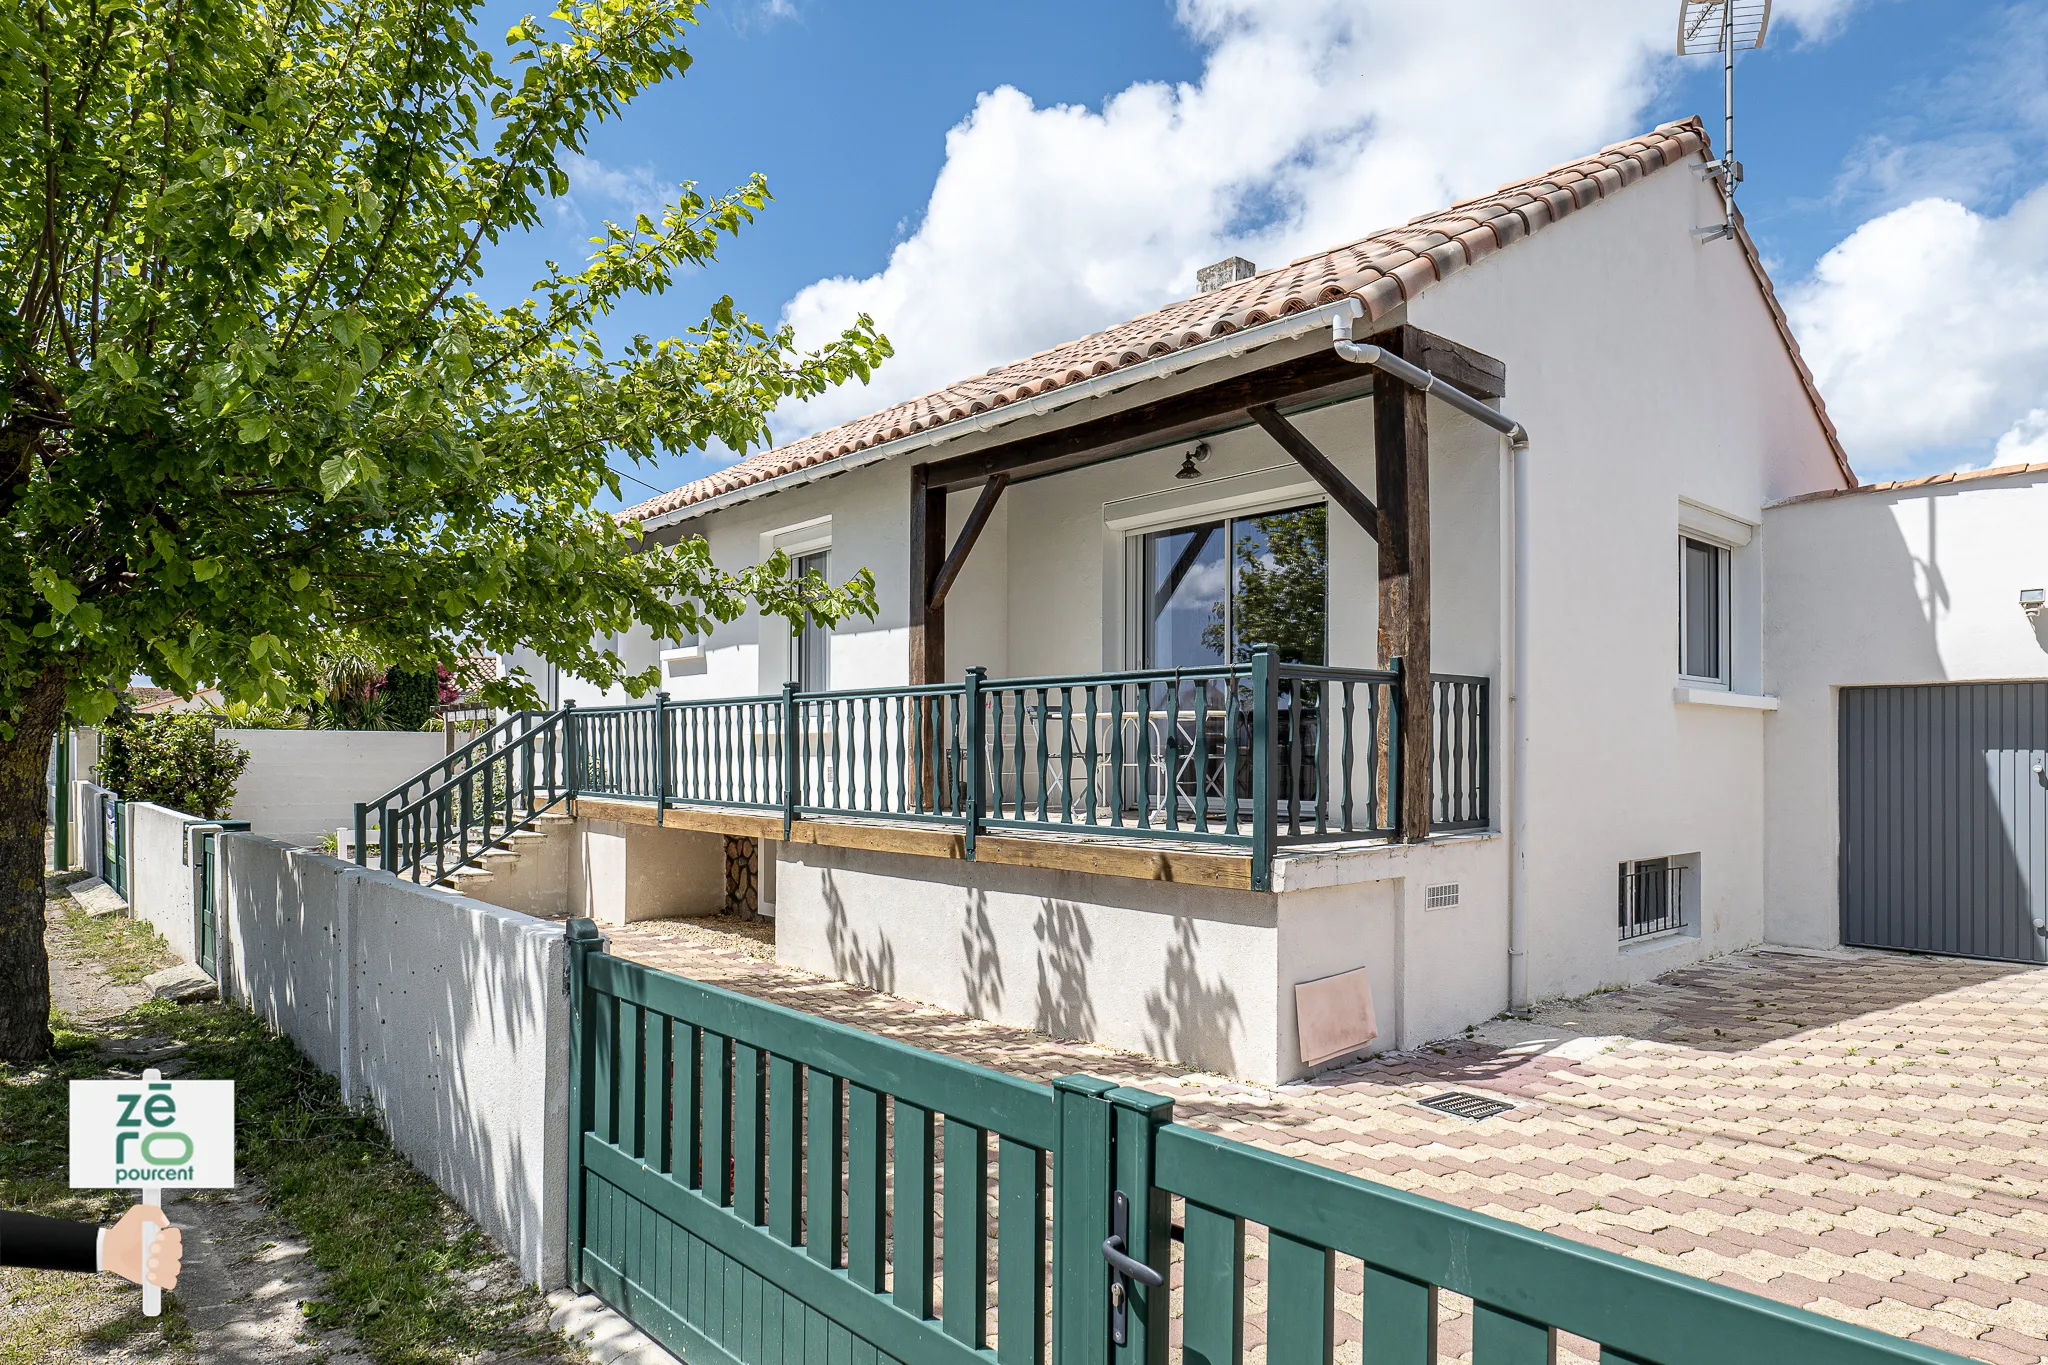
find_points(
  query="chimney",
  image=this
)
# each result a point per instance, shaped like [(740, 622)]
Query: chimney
[(1213, 277)]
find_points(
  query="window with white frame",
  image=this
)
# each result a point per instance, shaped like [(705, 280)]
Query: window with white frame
[(1703, 610), (1214, 592), (810, 649)]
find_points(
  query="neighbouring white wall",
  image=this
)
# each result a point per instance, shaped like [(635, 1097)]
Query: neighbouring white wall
[(162, 895), (1647, 371), (87, 830), (1909, 585), (302, 784), (447, 1015)]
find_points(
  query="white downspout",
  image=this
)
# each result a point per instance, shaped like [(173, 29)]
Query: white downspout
[(1514, 439), (1515, 826)]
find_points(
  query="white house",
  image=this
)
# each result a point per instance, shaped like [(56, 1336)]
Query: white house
[(1175, 492), (1670, 682)]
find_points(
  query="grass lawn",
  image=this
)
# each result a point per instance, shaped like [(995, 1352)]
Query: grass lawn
[(407, 1273)]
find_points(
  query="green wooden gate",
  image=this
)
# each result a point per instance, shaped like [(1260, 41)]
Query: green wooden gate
[(752, 1184), (113, 843), (206, 893)]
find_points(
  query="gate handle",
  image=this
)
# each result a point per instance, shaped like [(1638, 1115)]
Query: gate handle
[(1113, 1252)]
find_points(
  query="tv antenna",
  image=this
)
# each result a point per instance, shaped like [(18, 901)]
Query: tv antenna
[(1723, 26)]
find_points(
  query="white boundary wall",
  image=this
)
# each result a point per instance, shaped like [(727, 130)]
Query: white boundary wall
[(448, 1016), (303, 784), (162, 896)]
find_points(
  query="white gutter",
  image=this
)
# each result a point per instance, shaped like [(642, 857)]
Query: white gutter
[(1416, 377), (1334, 315)]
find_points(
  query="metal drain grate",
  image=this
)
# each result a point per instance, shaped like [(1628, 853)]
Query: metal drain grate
[(1460, 1105)]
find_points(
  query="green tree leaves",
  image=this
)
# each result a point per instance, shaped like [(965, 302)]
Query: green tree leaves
[(250, 407)]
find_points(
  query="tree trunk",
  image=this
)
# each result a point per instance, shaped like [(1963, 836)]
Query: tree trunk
[(24, 815)]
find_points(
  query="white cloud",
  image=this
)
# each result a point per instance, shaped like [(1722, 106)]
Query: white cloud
[(2026, 442), (1927, 329), (612, 191), (1816, 20), (1313, 122)]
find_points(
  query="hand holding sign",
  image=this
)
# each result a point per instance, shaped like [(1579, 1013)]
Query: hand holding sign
[(121, 1252), (146, 1135)]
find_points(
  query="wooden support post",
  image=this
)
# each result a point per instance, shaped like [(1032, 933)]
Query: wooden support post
[(927, 554), (1401, 451)]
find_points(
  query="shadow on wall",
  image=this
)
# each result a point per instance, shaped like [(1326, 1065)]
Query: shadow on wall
[(1190, 1019), (982, 958), (449, 998), (851, 960), (1066, 1008)]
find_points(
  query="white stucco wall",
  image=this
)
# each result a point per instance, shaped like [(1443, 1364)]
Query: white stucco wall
[(160, 884), (302, 784), (1197, 975), (1646, 369), (445, 1014), (1914, 585)]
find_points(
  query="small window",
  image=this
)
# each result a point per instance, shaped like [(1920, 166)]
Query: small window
[(1702, 611), (810, 649), (1652, 898)]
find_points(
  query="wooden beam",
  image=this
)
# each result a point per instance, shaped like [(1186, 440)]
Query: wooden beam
[(984, 508), (927, 550), (1401, 451), (1310, 374), (1476, 372), (1331, 479)]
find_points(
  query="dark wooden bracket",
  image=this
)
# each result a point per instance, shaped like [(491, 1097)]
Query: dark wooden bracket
[(1331, 479), (956, 560)]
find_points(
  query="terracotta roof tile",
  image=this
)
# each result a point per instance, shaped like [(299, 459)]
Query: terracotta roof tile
[(1382, 271), (2000, 471)]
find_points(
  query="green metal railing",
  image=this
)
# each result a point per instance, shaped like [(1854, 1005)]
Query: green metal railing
[(1257, 756), (753, 1184), (471, 802)]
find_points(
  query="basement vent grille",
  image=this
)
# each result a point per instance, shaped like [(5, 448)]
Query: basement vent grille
[(1461, 1105), (1440, 897)]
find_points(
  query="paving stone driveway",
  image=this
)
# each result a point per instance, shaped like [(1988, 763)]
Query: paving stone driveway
[(1859, 1134)]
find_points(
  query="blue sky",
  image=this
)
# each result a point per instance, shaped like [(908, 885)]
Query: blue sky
[(988, 180)]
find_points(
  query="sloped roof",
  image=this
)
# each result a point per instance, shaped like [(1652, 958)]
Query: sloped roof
[(1383, 271), (1963, 476)]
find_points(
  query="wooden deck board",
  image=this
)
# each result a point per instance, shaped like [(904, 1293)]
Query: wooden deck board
[(1106, 855)]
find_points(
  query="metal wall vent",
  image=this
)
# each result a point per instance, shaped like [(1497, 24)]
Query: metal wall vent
[(1461, 1105), (1440, 897)]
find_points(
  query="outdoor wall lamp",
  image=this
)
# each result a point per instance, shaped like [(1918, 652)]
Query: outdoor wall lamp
[(1193, 458), (2031, 599)]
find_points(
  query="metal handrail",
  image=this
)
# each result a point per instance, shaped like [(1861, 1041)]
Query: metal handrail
[(1260, 755)]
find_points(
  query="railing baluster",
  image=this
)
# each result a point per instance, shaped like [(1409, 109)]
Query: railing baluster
[(1094, 797), (824, 1140), (785, 1151), (913, 1220), (1212, 1290), (866, 1183), (1044, 758), (966, 1258), (1020, 1253), (749, 1132), (1301, 1301)]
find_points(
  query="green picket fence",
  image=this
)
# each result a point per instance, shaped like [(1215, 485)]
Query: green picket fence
[(751, 1184)]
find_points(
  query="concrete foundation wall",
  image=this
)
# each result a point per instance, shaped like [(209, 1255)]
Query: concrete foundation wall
[(625, 872), (1196, 975), (303, 784)]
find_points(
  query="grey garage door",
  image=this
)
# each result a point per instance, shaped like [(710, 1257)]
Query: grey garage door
[(1945, 818)]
